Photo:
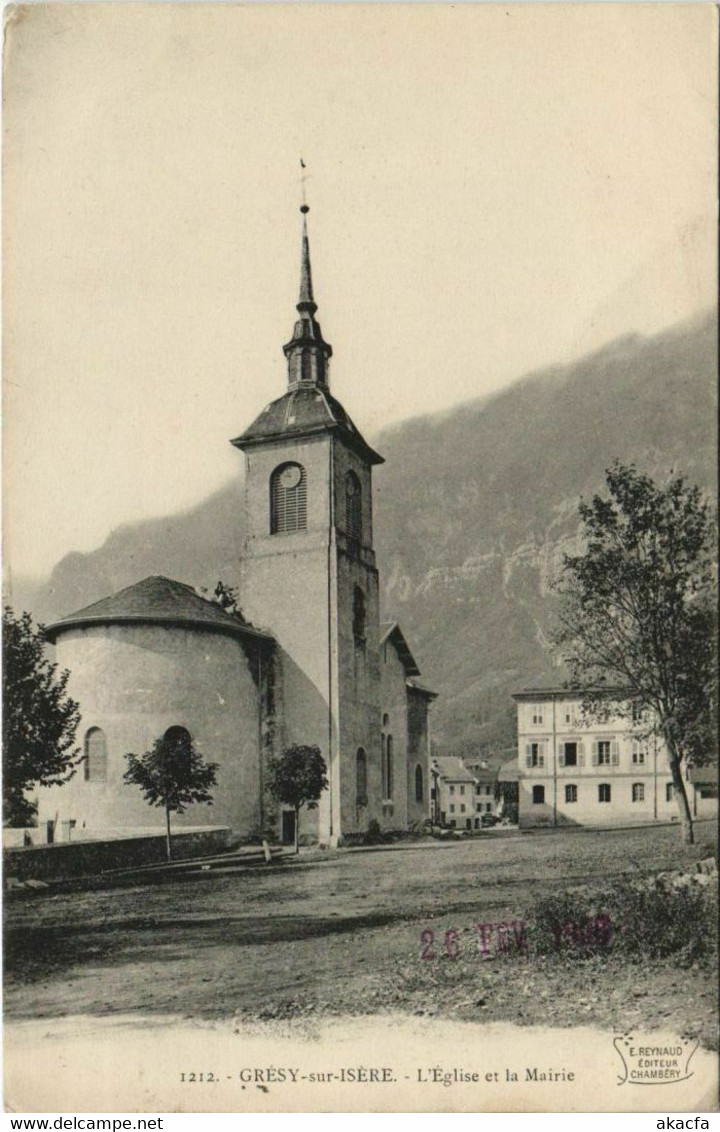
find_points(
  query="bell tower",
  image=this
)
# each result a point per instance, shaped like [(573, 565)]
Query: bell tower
[(308, 574)]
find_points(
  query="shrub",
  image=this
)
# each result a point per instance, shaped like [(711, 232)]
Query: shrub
[(660, 918), (651, 918), (573, 922), (373, 835)]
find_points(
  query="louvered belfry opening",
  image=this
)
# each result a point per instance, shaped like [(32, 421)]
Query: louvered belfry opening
[(288, 499)]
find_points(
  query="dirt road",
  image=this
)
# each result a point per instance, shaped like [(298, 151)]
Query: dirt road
[(303, 932)]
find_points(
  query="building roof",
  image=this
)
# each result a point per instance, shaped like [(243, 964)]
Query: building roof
[(391, 631), (305, 411), (421, 689), (453, 769), (155, 601), (508, 773), (483, 773), (545, 686)]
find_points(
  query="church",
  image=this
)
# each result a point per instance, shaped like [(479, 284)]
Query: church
[(308, 661)]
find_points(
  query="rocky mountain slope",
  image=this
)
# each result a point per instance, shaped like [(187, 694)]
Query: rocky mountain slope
[(473, 511)]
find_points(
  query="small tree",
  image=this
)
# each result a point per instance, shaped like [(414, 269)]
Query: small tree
[(39, 719), (638, 617), (298, 778), (172, 774)]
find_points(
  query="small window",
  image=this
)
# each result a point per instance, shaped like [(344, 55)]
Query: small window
[(288, 499), (604, 792), (479, 807), (451, 788), (638, 754), (669, 792), (638, 792), (358, 616), (538, 795), (178, 747), (571, 754), (95, 756), (418, 783), (639, 715), (386, 764), (537, 713), (361, 778), (603, 752), (353, 507), (462, 809), (389, 772), (571, 793), (452, 809), (462, 789), (536, 754)]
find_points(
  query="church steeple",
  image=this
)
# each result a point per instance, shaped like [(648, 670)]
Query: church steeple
[(307, 353)]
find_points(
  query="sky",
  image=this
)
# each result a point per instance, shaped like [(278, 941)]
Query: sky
[(493, 189)]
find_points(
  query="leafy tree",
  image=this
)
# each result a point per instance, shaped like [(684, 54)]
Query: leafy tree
[(227, 598), (172, 774), (298, 778), (39, 719), (638, 616)]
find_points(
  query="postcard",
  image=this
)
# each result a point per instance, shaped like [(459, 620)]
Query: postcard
[(360, 678)]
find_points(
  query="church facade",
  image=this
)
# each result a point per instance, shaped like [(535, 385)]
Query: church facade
[(308, 662)]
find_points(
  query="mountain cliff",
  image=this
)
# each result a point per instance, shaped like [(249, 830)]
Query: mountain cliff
[(473, 511)]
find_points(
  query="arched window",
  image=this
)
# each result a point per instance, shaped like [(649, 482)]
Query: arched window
[(361, 778), (359, 616), (353, 507), (95, 755), (389, 766), (288, 499), (178, 744), (418, 783)]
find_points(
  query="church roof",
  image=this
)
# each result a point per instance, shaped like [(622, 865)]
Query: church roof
[(308, 407), (421, 689), (303, 411), (390, 630), (155, 601)]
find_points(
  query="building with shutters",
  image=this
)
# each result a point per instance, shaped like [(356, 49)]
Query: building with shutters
[(575, 771), (308, 662)]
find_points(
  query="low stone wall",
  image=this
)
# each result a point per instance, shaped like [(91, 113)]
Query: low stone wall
[(88, 858)]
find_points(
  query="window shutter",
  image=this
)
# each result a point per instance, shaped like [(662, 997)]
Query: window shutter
[(561, 754), (594, 754), (581, 753), (528, 755), (541, 754), (615, 752)]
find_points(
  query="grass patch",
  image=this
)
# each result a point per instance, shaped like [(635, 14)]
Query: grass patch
[(644, 919)]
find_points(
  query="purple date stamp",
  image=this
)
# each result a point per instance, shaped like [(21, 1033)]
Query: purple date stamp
[(511, 937)]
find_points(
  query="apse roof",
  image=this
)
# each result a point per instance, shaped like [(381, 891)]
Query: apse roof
[(158, 601)]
